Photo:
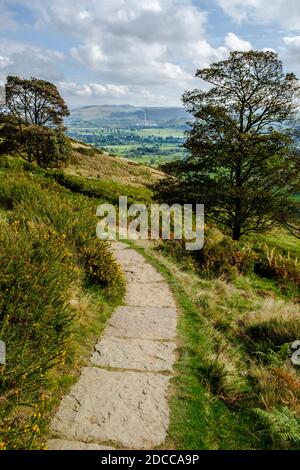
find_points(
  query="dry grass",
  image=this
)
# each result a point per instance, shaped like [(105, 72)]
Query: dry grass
[(271, 309), (104, 166), (277, 386)]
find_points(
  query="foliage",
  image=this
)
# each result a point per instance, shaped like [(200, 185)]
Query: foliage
[(243, 164), (234, 354), (44, 279), (274, 264), (283, 427), (99, 265), (31, 124), (220, 256), (45, 146), (34, 101)]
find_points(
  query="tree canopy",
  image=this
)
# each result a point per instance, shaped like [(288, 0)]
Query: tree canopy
[(35, 101), (243, 163), (31, 122)]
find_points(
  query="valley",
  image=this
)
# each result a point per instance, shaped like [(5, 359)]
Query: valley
[(153, 146), (146, 135)]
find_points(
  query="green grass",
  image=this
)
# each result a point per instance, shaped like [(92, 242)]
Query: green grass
[(130, 142), (283, 241), (223, 374), (199, 420), (58, 285), (105, 190)]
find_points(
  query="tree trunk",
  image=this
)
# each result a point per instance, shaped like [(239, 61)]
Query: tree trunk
[(236, 233)]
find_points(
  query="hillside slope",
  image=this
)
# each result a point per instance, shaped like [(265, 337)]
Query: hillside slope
[(234, 386), (124, 116), (89, 162)]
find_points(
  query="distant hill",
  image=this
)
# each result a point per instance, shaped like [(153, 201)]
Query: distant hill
[(127, 116)]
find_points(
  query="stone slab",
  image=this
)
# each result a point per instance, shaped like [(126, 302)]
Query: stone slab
[(149, 295), (128, 257), (129, 408), (143, 322), (142, 272), (116, 246), (137, 354)]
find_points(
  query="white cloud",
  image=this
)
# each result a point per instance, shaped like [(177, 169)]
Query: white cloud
[(4, 62), (90, 55), (94, 89), (284, 12), (234, 43), (134, 49), (137, 41), (91, 92), (292, 42), (290, 51), (203, 54), (26, 60)]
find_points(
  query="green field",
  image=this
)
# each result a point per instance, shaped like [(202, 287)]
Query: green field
[(153, 145)]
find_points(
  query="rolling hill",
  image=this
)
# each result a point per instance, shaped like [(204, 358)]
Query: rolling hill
[(127, 116)]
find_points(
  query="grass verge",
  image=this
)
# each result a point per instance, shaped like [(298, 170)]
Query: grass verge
[(58, 285), (225, 394)]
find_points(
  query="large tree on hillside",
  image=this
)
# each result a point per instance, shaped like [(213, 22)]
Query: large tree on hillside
[(243, 163), (31, 122), (35, 101)]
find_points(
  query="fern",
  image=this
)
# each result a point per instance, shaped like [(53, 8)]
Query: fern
[(283, 426)]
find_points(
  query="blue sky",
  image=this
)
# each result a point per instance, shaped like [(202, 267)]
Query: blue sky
[(141, 52)]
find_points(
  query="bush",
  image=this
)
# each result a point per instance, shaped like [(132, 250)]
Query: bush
[(275, 265), (226, 258), (35, 321), (88, 151), (220, 256), (275, 386), (48, 147), (47, 246), (99, 264)]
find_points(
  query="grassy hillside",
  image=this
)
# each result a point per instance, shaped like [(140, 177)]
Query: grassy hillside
[(58, 284), (235, 387), (92, 163)]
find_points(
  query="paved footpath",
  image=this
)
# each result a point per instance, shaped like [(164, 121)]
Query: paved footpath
[(121, 398)]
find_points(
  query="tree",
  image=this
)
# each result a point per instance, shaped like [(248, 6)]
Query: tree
[(35, 101), (243, 163), (31, 123)]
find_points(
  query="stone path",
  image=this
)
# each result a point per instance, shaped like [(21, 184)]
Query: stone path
[(120, 399)]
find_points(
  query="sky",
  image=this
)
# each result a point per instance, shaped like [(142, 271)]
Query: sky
[(139, 52)]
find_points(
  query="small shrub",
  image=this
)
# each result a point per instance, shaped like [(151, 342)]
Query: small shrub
[(226, 258), (48, 245), (275, 265), (99, 264), (219, 257), (221, 380), (88, 151)]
